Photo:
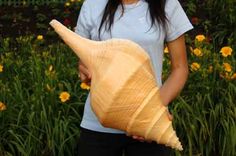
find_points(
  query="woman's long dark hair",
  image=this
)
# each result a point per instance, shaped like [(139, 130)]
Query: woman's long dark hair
[(156, 10)]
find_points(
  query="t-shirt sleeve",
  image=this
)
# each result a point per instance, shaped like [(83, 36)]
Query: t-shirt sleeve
[(178, 22), (84, 22)]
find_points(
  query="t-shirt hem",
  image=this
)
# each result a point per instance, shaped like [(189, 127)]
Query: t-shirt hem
[(97, 128)]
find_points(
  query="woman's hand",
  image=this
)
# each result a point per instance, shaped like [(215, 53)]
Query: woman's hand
[(141, 139), (84, 74)]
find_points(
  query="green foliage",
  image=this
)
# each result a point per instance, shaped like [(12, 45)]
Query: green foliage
[(207, 123), (223, 20), (216, 18), (36, 122), (205, 112), (29, 2), (27, 19)]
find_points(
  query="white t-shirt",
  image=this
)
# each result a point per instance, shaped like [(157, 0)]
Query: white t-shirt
[(133, 25)]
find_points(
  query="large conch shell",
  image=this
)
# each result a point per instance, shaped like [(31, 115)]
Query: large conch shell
[(124, 93)]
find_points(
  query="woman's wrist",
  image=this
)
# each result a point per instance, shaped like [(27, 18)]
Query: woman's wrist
[(164, 97)]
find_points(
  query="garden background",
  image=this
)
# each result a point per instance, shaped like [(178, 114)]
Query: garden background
[(41, 97)]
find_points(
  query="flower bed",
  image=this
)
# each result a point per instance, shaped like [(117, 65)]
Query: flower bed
[(42, 99)]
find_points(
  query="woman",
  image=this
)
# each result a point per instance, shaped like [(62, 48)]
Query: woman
[(150, 23)]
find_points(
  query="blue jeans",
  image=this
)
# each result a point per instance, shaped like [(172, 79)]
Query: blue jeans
[(93, 143)]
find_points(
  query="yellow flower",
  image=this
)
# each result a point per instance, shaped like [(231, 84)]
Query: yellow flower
[(195, 66), (2, 106), (227, 67), (166, 50), (226, 51), (83, 85), (197, 52), (1, 68), (64, 96), (67, 4), (200, 38), (40, 37), (72, 1), (233, 77)]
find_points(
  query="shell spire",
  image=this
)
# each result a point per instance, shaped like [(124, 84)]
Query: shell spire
[(81, 46)]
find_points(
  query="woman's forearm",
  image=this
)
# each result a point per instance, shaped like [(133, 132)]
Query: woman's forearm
[(179, 70), (173, 85)]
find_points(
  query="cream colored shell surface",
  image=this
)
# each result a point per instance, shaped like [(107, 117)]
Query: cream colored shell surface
[(124, 93)]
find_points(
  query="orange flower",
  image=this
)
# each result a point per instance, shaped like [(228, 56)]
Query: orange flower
[(200, 38), (64, 96), (83, 85), (166, 50), (226, 51), (195, 66), (2, 106), (1, 68), (227, 67), (233, 77), (197, 52), (225, 75)]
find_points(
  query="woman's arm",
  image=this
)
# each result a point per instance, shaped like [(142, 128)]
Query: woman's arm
[(179, 70)]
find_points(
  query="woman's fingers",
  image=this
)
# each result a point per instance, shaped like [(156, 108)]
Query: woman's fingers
[(83, 77), (139, 138), (84, 70), (84, 73), (170, 116)]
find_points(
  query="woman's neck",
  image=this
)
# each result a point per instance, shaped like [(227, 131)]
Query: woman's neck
[(129, 1)]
